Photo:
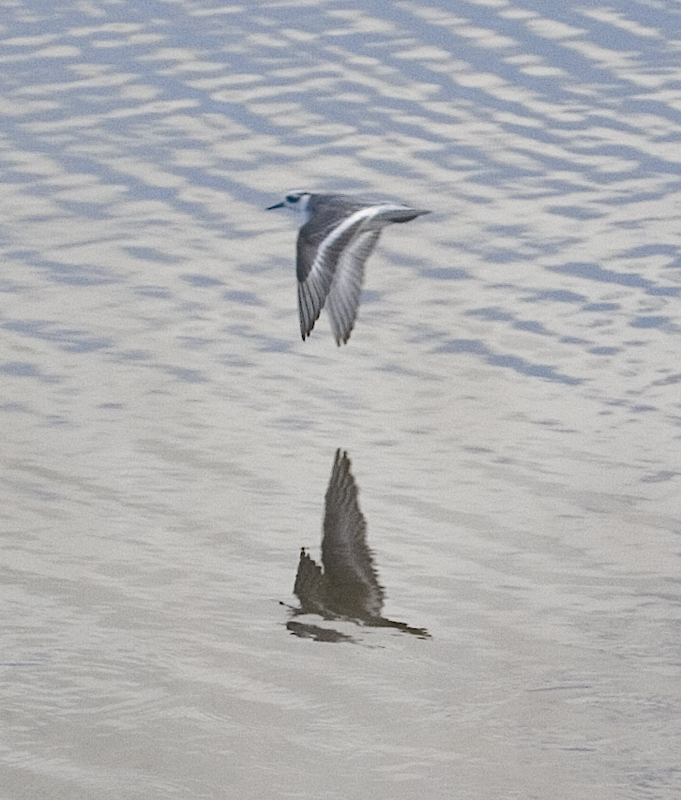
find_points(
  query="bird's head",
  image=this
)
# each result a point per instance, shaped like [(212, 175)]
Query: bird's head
[(296, 200)]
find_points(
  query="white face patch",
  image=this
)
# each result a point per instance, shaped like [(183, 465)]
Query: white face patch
[(303, 206), (298, 201)]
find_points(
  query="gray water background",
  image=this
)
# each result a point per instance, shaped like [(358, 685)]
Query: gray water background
[(510, 399)]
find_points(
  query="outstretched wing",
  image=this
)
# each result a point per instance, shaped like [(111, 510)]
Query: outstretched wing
[(321, 243), (346, 288), (351, 585)]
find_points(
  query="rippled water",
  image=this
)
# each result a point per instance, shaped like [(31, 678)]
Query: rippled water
[(509, 399)]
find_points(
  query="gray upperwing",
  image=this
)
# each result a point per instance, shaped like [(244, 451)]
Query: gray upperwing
[(312, 288), (346, 288), (316, 263)]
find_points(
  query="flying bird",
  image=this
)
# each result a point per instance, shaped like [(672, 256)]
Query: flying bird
[(338, 235)]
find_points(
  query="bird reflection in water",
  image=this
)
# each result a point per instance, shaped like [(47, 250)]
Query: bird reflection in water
[(347, 588)]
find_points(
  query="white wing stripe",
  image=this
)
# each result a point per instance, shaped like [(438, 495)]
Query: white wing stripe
[(338, 231)]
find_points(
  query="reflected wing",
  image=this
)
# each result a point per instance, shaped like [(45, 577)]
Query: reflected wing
[(350, 583), (308, 585), (321, 243), (346, 288)]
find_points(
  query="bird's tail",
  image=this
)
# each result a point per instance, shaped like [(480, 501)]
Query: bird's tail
[(399, 214)]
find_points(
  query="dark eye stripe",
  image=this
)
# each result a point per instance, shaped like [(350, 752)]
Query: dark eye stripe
[(293, 198)]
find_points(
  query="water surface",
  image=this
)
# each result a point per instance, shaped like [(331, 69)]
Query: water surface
[(509, 399)]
